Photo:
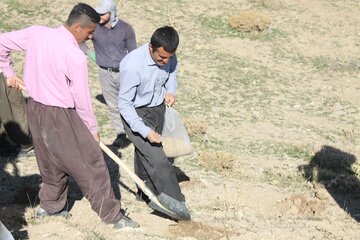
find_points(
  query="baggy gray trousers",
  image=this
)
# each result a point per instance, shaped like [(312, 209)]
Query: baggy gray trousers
[(150, 162), (65, 147), (110, 82)]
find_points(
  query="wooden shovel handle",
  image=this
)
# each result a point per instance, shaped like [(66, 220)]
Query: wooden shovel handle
[(121, 163)]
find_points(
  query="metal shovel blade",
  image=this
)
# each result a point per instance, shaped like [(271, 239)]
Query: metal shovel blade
[(173, 207)]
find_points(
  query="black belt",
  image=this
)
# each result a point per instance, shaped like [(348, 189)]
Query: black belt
[(110, 69)]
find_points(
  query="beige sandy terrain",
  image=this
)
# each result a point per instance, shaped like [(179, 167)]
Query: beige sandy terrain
[(273, 118)]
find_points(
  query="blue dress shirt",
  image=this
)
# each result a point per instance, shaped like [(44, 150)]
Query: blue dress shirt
[(143, 84)]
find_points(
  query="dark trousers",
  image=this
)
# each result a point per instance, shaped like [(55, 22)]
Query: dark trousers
[(65, 147), (150, 162), (13, 115)]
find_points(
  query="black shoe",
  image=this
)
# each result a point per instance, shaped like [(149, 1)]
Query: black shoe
[(121, 141), (125, 221), (40, 213)]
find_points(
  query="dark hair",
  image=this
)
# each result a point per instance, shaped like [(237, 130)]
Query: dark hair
[(165, 37), (83, 12)]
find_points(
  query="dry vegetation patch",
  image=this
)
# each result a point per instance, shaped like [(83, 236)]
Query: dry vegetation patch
[(218, 161), (195, 126), (250, 21)]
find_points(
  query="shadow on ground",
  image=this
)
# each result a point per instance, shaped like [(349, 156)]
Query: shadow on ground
[(332, 168), (180, 174), (16, 194)]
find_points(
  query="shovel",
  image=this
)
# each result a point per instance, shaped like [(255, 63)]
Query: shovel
[(172, 208), (4, 233)]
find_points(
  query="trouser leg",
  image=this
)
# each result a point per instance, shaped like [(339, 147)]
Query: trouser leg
[(53, 191), (110, 82), (73, 151), (141, 172), (150, 160), (13, 115)]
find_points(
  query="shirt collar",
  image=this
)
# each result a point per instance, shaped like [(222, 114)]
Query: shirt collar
[(67, 34), (113, 22), (148, 57)]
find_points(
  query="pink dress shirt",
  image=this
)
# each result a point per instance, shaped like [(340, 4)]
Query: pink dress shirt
[(55, 71)]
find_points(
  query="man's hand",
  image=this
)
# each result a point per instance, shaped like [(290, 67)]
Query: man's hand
[(15, 82), (154, 137), (169, 99), (96, 137)]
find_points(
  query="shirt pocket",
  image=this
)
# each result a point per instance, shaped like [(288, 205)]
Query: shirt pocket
[(162, 78)]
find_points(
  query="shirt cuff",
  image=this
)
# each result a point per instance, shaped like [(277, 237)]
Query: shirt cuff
[(144, 131), (8, 72)]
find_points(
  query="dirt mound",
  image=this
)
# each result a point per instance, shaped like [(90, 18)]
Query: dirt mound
[(199, 230), (299, 206)]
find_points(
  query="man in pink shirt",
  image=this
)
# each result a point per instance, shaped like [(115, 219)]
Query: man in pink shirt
[(60, 114)]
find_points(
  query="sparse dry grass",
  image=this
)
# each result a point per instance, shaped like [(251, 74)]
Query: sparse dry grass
[(33, 3)]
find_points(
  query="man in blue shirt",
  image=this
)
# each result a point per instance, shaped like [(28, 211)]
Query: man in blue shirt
[(147, 83)]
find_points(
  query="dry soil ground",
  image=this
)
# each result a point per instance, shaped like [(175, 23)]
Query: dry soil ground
[(273, 118)]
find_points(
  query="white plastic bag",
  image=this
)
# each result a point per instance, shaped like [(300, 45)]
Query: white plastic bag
[(176, 141)]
